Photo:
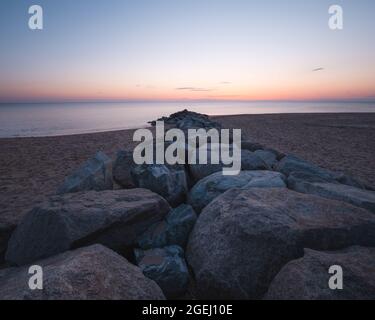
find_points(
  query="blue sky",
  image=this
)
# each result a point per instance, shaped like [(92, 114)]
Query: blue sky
[(168, 49)]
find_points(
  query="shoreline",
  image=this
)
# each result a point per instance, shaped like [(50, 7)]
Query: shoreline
[(211, 116)]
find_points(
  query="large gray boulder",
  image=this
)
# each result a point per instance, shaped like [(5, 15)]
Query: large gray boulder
[(95, 174), (124, 163), (90, 273), (292, 164), (308, 278), (170, 183), (167, 267), (343, 178), (269, 157), (244, 237), (214, 185), (174, 230), (122, 167), (249, 161), (315, 185), (112, 218)]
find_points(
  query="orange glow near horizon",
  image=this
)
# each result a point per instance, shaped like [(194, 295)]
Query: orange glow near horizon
[(288, 91), (202, 82)]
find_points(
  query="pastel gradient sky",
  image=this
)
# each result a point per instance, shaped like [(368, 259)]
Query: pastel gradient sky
[(179, 49)]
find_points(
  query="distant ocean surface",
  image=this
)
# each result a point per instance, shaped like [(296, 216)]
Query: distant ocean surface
[(35, 120)]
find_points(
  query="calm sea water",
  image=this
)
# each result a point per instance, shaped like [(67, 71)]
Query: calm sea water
[(25, 120)]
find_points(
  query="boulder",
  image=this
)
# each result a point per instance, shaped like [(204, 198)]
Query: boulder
[(243, 238), (350, 181), (112, 218), (292, 163), (300, 176), (90, 273), (185, 120), (251, 146), (180, 222), (122, 169), (267, 156), (174, 230), (249, 161), (195, 122), (214, 185), (6, 230), (279, 155), (166, 267), (170, 183), (266, 179), (308, 278), (95, 174), (317, 186)]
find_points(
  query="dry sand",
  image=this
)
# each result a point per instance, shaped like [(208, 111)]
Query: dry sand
[(32, 168)]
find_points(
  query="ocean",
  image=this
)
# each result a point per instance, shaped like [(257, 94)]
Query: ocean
[(53, 119)]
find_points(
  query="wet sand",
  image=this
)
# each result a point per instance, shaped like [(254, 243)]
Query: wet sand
[(33, 168)]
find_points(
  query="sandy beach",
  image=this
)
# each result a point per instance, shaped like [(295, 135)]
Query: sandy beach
[(32, 168)]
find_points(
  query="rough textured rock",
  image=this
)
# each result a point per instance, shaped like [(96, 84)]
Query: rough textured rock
[(292, 164), (251, 146), (185, 120), (5, 233), (166, 267), (124, 162), (90, 273), (122, 169), (350, 181), (299, 176), (315, 185), (174, 230), (112, 218), (249, 161), (214, 185), (308, 278), (279, 155), (95, 174), (244, 237), (267, 156), (169, 183), (200, 170)]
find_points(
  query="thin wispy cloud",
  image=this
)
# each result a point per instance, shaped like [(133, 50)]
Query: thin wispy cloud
[(317, 69), (194, 89), (225, 82)]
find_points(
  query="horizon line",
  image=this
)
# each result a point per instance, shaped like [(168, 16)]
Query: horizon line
[(349, 100)]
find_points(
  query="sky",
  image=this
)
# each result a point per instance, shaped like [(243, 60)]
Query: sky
[(94, 50)]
